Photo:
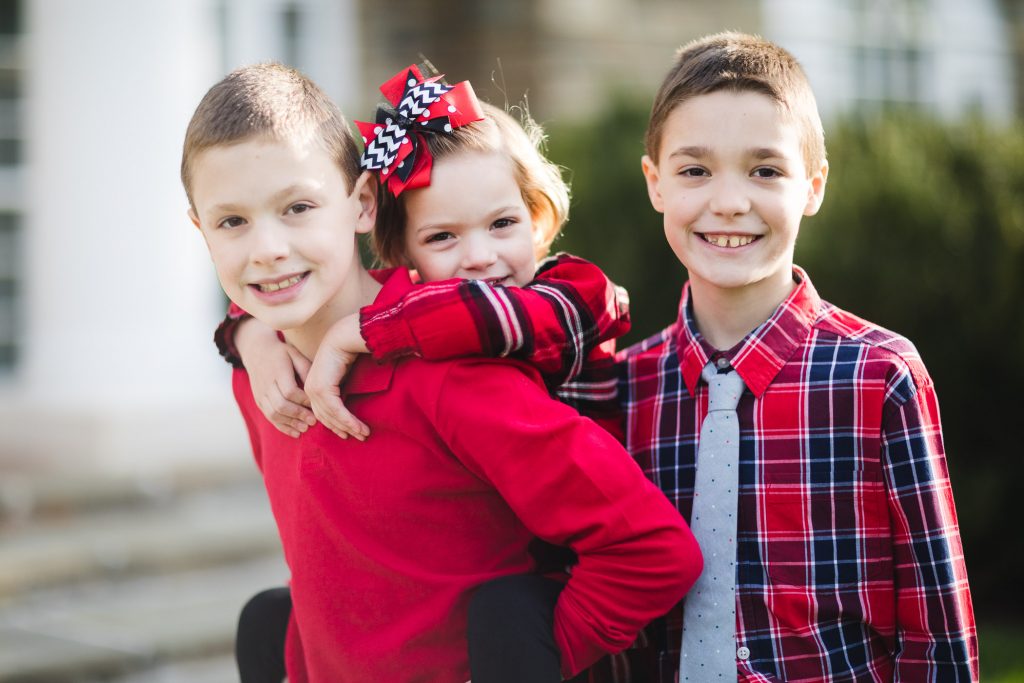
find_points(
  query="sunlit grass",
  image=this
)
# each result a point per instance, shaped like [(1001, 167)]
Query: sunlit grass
[(1001, 648)]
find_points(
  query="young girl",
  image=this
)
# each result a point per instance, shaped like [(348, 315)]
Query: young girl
[(485, 214)]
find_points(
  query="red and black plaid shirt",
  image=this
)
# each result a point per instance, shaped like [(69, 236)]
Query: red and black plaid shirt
[(564, 322), (849, 563)]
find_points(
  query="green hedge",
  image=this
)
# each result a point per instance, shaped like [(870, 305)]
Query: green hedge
[(922, 231)]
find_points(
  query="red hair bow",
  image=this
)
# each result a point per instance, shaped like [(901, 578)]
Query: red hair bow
[(394, 143)]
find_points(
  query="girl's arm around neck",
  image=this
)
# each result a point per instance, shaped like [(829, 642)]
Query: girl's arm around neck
[(553, 323)]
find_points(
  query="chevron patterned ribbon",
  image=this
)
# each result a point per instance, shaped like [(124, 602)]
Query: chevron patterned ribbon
[(417, 106)]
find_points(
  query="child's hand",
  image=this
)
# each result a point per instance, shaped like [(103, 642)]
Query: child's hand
[(272, 366), (339, 349)]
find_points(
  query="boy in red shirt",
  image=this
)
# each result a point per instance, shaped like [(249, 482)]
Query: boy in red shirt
[(387, 538)]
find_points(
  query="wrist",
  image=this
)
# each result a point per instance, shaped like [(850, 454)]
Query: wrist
[(346, 338), (251, 334)]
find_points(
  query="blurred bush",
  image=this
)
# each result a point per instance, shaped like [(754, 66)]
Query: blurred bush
[(922, 232)]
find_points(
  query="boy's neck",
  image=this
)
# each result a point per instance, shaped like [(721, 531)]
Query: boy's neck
[(359, 291), (724, 316)]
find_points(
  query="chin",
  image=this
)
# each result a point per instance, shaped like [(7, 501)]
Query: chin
[(276, 317)]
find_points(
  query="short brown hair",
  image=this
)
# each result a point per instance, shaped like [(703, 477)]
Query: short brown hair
[(739, 62), (273, 100), (544, 191)]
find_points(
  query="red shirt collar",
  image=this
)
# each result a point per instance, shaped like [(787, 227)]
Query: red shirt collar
[(760, 356)]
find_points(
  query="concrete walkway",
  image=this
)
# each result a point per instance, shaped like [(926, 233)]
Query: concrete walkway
[(131, 582)]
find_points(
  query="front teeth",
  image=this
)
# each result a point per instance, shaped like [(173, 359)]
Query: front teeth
[(731, 241), (274, 286)]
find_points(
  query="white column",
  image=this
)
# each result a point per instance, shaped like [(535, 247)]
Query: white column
[(120, 299)]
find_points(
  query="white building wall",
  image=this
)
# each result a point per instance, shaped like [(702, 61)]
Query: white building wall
[(117, 367), (964, 57), (973, 59)]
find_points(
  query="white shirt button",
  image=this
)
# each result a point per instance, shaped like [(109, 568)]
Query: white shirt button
[(743, 654), (722, 363)]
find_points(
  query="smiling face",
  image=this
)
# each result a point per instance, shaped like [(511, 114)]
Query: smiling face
[(471, 222), (733, 186), (280, 224)]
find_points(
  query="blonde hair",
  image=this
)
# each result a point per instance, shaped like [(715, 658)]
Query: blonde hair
[(544, 191), (741, 63), (268, 100)]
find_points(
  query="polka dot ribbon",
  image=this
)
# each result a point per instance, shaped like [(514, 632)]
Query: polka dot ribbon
[(418, 106)]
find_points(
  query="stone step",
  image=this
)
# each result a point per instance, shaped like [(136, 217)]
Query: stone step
[(148, 629), (220, 669), (28, 495), (193, 527)]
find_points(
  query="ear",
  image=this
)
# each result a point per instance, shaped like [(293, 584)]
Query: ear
[(542, 226), (365, 192), (650, 170), (194, 218), (816, 190)]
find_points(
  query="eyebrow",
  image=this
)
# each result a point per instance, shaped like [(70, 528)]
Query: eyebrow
[(276, 197), (446, 224), (702, 152), (696, 151), (767, 153)]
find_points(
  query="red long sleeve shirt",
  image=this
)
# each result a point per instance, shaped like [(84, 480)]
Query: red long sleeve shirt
[(387, 538)]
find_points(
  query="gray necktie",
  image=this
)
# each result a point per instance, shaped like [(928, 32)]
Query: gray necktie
[(709, 638)]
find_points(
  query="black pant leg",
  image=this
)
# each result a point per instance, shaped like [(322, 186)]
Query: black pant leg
[(259, 643), (511, 631)]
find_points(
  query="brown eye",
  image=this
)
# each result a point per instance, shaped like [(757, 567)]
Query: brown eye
[(231, 222)]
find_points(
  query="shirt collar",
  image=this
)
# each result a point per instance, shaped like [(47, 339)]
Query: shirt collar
[(760, 356), (367, 376)]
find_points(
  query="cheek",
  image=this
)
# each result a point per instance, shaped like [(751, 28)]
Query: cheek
[(227, 263), (229, 275), (679, 205), (432, 265)]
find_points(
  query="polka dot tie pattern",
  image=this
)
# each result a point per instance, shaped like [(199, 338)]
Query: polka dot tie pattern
[(709, 623)]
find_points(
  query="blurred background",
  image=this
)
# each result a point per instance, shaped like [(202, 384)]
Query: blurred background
[(132, 524)]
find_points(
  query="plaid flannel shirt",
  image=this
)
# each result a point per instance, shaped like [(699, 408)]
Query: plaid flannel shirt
[(564, 323), (849, 562)]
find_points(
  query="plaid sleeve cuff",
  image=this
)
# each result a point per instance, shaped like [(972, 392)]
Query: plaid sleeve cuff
[(224, 336), (387, 334)]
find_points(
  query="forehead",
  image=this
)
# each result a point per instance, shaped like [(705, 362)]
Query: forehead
[(260, 165), (727, 121), (466, 182)]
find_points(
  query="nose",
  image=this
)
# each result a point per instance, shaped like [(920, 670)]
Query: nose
[(728, 198), (270, 243), (478, 253)]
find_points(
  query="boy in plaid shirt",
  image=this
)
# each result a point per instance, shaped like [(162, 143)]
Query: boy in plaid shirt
[(848, 557)]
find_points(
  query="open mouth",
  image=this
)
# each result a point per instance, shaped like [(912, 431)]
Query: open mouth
[(728, 241), (498, 280), (270, 287)]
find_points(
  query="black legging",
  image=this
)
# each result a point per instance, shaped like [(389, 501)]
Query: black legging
[(510, 633), (259, 644)]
